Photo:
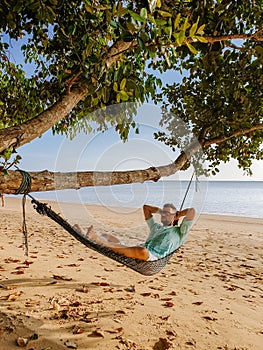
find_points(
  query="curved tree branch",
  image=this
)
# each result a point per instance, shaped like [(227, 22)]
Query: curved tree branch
[(17, 136), (51, 181), (214, 39), (253, 37), (221, 139)]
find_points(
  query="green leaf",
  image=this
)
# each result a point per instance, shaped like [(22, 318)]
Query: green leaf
[(72, 29), (123, 95), (123, 83), (152, 53), (141, 43), (177, 20), (165, 13), (7, 153), (193, 29), (186, 25), (200, 38), (113, 24), (191, 48), (168, 31), (95, 101), (143, 13), (89, 8), (105, 94), (160, 22), (200, 30), (136, 16), (115, 86), (181, 38)]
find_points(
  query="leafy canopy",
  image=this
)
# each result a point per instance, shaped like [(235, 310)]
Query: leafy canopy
[(220, 97), (67, 42), (65, 39)]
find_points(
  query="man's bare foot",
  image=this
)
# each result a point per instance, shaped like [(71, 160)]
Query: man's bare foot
[(90, 233), (79, 229)]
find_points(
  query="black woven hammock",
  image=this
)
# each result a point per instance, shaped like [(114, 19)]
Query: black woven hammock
[(147, 268)]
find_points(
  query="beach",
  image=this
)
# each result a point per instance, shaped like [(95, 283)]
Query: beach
[(66, 296)]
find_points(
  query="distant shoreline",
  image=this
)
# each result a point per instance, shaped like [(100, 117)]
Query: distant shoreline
[(14, 203)]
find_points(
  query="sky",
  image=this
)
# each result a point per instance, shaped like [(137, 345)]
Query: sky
[(104, 151)]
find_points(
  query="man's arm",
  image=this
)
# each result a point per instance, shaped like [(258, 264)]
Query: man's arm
[(148, 210), (189, 214)]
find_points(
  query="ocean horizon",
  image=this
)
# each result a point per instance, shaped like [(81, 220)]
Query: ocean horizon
[(237, 198)]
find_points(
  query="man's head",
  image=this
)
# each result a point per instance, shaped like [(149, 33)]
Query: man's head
[(168, 215)]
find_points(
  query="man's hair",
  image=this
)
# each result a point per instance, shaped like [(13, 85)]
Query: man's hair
[(170, 205)]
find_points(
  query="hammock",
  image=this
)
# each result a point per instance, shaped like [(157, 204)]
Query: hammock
[(147, 268)]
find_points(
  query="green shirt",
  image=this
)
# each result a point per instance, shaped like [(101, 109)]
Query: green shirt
[(163, 240)]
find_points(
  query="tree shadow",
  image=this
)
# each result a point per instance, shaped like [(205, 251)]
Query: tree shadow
[(54, 326), (13, 326)]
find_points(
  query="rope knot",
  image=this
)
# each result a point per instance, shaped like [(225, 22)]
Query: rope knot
[(25, 186)]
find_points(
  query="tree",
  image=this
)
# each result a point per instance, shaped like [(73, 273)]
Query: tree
[(90, 54), (221, 97)]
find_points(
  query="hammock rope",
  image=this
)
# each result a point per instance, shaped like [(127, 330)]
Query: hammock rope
[(24, 189), (147, 268), (186, 192)]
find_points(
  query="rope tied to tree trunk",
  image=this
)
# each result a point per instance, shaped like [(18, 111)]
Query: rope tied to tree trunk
[(24, 189), (25, 185)]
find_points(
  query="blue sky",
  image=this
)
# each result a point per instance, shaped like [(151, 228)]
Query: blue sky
[(106, 152)]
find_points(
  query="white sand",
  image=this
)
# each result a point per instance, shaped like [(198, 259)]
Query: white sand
[(210, 295)]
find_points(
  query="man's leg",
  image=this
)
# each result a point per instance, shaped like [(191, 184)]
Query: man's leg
[(110, 238), (136, 252), (105, 236)]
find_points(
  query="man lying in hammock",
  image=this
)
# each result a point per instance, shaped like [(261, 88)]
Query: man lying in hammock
[(162, 239)]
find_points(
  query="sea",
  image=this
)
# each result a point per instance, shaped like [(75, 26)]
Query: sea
[(236, 198)]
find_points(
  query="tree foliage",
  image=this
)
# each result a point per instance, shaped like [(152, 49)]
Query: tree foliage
[(221, 96), (98, 53), (70, 40)]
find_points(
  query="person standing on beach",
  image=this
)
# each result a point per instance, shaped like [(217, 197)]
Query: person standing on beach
[(2, 199), (162, 239)]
